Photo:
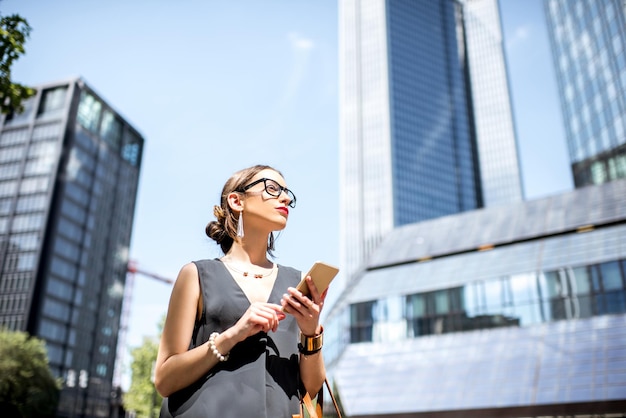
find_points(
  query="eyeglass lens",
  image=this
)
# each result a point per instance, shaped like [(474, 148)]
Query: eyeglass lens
[(275, 189)]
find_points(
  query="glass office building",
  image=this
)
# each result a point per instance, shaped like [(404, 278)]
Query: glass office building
[(69, 170), (425, 125), (588, 41), (511, 311)]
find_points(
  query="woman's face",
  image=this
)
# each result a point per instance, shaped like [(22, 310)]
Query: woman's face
[(267, 201)]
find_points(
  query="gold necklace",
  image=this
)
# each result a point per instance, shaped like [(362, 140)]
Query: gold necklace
[(246, 273)]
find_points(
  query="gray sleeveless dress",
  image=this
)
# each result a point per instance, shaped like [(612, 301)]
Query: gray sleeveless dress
[(261, 378)]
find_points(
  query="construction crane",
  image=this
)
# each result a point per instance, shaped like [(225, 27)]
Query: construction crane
[(132, 270)]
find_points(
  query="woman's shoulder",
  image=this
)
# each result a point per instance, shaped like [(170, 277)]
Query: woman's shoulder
[(289, 270), (206, 261)]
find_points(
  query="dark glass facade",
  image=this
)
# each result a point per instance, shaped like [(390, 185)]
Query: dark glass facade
[(434, 158), (70, 168), (589, 49)]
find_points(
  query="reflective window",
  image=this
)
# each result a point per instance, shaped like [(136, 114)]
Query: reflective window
[(66, 248), (9, 171), (49, 131), (70, 230), (63, 269), (13, 153), (39, 166), (362, 321), (89, 112), (8, 188), (16, 136), (5, 206), (34, 185), (32, 203), (131, 149), (28, 222), (101, 369), (28, 241), (111, 129), (52, 330), (56, 310), (52, 102), (518, 300), (60, 289)]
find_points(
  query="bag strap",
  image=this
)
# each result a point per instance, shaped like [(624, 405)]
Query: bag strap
[(332, 397), (316, 411)]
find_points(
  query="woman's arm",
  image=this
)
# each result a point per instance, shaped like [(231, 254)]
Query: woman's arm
[(312, 371), (178, 367), (306, 312)]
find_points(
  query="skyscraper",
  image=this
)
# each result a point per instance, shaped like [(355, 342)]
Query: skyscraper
[(589, 50), (69, 169), (425, 126)]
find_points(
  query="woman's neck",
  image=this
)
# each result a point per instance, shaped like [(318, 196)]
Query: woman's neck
[(246, 253)]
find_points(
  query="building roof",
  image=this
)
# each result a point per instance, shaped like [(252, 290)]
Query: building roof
[(564, 362), (501, 225)]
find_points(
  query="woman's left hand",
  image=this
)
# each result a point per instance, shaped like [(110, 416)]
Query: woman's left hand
[(306, 310)]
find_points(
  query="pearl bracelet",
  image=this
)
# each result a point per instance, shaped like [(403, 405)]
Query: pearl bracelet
[(214, 349)]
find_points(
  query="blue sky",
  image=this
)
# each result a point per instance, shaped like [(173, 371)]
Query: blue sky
[(215, 86)]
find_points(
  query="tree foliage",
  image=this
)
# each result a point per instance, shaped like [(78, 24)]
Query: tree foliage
[(27, 387), (14, 31), (142, 396)]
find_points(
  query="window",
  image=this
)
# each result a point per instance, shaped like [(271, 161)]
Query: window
[(101, 369), (52, 330), (13, 137), (32, 203), (361, 321), (14, 153), (52, 102), (28, 241), (89, 112), (49, 131), (27, 222), (63, 269), (9, 171), (131, 149), (613, 299), (111, 129), (34, 185)]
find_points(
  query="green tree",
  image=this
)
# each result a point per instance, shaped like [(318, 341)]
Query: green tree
[(27, 387), (14, 31), (142, 396)]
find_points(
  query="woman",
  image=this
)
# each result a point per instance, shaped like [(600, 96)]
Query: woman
[(229, 346)]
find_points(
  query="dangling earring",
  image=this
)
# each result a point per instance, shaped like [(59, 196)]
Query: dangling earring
[(240, 225)]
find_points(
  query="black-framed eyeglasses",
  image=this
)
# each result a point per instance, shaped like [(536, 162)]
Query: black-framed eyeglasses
[(273, 189)]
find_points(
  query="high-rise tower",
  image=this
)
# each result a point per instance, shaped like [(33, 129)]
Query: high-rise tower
[(589, 50), (69, 169), (425, 128)]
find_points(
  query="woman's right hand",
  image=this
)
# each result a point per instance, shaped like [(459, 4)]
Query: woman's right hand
[(258, 317)]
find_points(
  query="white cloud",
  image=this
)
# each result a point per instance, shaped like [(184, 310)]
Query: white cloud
[(300, 43), (520, 35)]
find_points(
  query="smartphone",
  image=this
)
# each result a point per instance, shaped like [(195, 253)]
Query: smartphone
[(321, 274)]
